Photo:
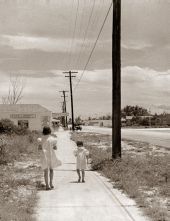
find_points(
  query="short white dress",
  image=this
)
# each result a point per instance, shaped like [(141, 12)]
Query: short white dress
[(81, 157), (48, 156)]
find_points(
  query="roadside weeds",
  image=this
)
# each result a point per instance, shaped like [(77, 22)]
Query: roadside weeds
[(142, 173), (19, 172)]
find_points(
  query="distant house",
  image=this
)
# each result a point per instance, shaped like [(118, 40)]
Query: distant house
[(147, 116), (32, 116), (165, 119), (99, 123), (129, 120), (123, 121)]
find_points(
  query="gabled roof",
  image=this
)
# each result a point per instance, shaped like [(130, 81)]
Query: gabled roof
[(24, 108)]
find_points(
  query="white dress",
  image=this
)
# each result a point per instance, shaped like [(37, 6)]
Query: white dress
[(48, 156), (81, 157)]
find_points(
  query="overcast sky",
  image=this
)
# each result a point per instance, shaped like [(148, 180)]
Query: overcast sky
[(39, 39)]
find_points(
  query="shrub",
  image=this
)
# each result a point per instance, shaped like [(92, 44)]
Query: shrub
[(3, 144), (12, 147), (8, 127)]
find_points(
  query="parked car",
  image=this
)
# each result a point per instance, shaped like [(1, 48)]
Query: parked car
[(78, 127)]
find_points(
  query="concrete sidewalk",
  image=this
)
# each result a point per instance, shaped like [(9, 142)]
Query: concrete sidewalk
[(95, 200)]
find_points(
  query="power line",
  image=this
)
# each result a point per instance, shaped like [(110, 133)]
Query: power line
[(83, 15), (93, 46), (73, 37), (86, 31), (94, 26), (69, 33)]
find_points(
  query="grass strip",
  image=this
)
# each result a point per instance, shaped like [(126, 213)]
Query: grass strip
[(142, 173)]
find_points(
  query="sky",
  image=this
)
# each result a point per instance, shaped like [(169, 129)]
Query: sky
[(39, 39)]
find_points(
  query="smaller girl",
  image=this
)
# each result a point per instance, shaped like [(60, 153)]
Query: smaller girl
[(81, 155)]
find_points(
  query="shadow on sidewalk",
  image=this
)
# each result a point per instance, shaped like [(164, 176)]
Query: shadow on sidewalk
[(74, 182)]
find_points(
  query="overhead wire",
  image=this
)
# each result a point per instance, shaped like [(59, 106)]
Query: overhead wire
[(69, 32), (74, 31), (86, 44), (86, 31), (94, 26), (69, 49), (94, 46), (82, 15)]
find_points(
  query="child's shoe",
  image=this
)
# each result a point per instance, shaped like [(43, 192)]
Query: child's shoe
[(48, 188)]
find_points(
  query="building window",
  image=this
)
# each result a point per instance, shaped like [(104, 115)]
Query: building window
[(23, 124)]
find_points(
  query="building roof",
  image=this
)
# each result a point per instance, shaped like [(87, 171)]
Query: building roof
[(129, 117), (24, 108)]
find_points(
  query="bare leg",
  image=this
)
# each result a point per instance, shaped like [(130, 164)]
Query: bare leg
[(78, 172), (51, 178), (83, 176), (46, 178)]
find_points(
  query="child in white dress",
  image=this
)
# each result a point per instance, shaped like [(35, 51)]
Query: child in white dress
[(81, 160), (47, 146)]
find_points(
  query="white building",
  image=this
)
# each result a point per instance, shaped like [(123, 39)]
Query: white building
[(99, 123), (31, 116)]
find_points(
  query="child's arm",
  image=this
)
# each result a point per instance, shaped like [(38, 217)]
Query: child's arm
[(39, 143), (75, 153), (39, 147), (55, 144), (55, 147), (86, 152)]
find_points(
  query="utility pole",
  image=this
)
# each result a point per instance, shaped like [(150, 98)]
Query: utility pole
[(70, 76), (62, 109), (64, 106), (116, 80)]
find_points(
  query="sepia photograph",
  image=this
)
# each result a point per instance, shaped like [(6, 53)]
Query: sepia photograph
[(84, 110)]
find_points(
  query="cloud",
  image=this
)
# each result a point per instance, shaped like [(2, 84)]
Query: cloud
[(39, 74), (164, 107), (142, 86), (36, 38), (97, 76), (145, 86), (22, 42), (136, 45)]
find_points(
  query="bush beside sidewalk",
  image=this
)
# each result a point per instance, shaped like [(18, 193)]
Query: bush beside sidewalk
[(19, 172), (142, 173)]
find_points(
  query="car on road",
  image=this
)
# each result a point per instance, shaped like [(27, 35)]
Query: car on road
[(78, 127)]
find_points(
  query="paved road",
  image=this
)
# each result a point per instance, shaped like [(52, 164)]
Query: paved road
[(94, 200), (156, 136)]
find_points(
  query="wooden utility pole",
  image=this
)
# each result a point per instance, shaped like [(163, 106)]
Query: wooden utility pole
[(70, 76), (116, 80), (64, 107)]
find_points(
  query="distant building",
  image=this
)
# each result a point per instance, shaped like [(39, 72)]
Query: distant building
[(128, 120), (59, 119), (123, 122), (165, 120), (99, 123), (31, 116)]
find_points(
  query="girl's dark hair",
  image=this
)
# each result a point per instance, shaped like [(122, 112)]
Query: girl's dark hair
[(79, 143), (46, 130)]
